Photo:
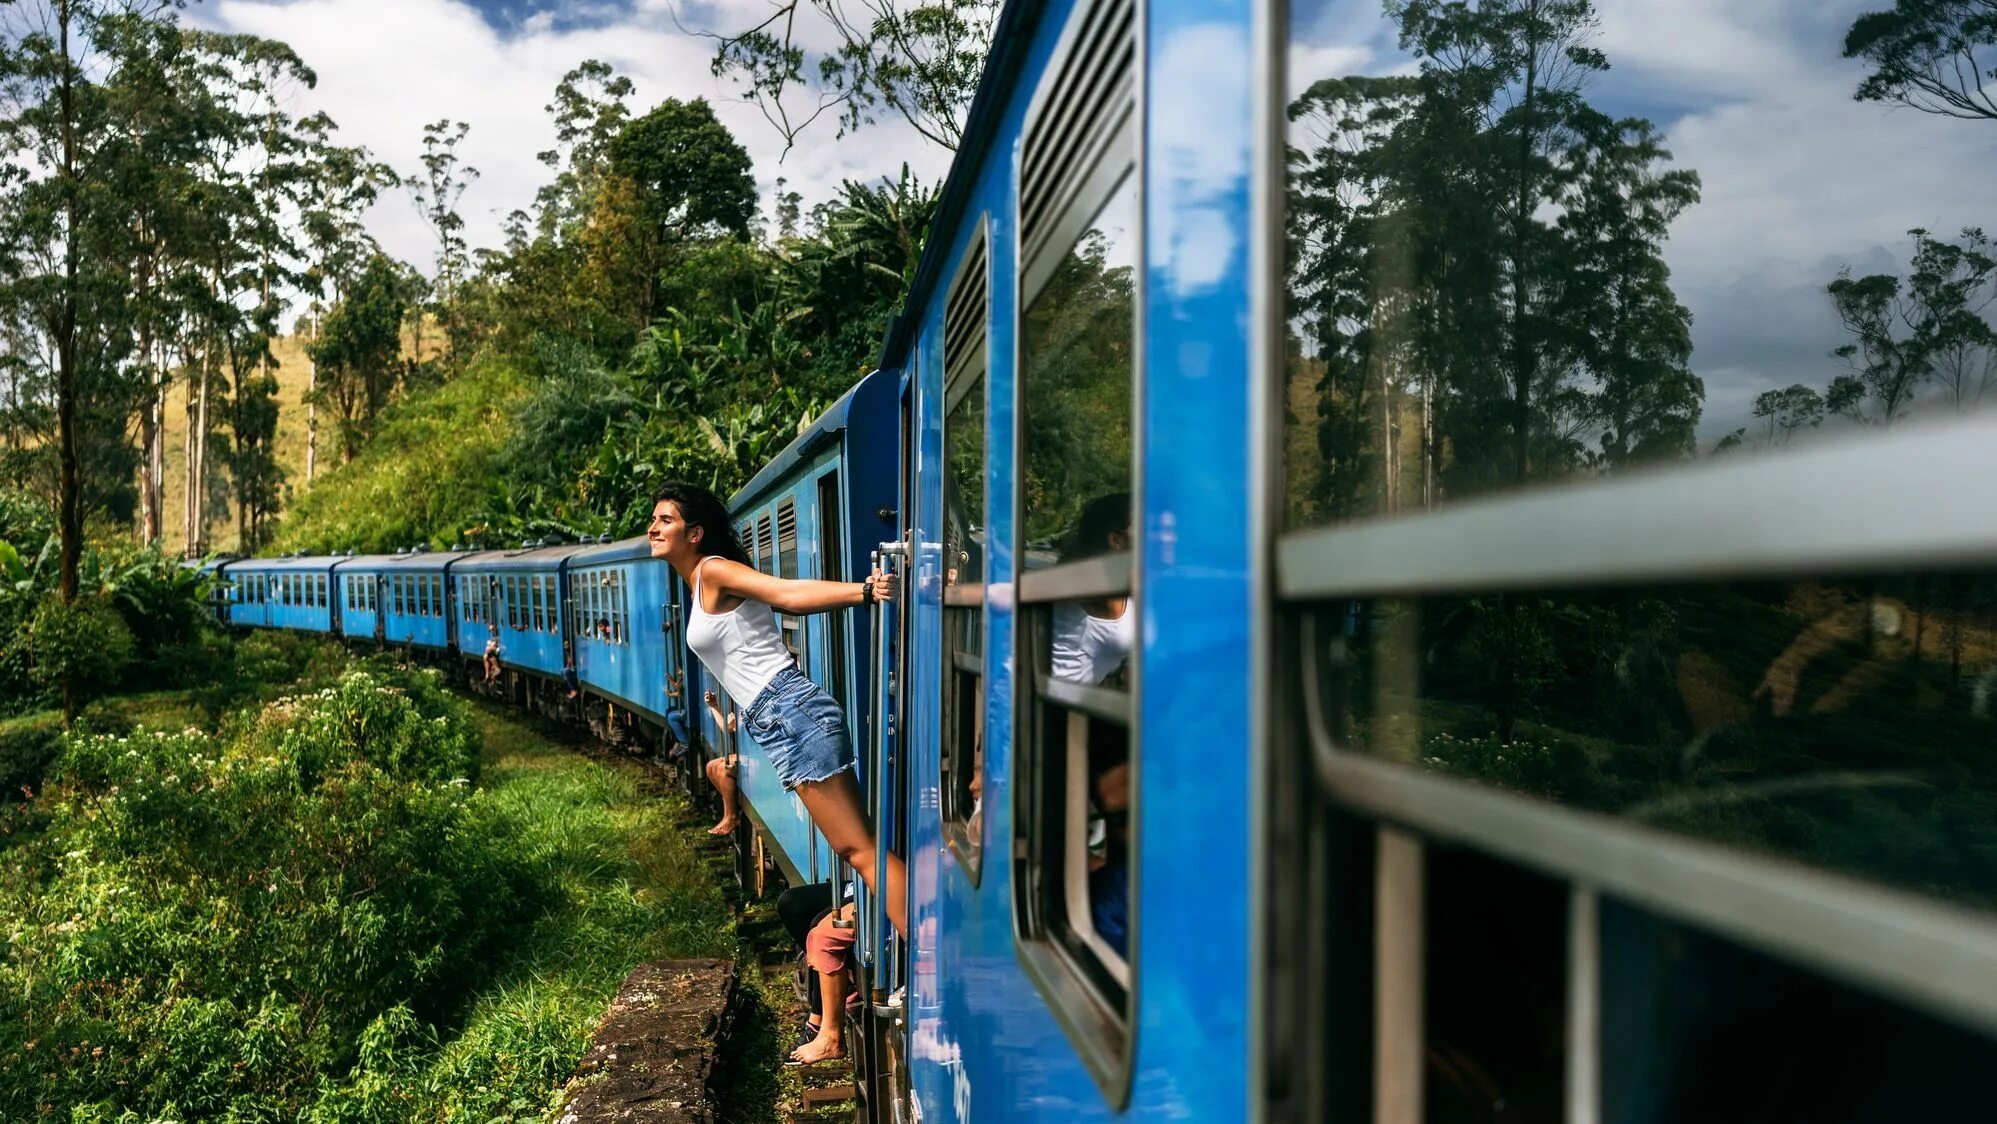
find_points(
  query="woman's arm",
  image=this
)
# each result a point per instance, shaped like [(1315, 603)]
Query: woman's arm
[(795, 596)]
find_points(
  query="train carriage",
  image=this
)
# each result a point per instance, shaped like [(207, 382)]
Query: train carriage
[(293, 593), (625, 612), (517, 596), (397, 599), (819, 509)]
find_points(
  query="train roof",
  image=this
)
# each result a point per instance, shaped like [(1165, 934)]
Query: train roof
[(528, 558), (313, 562), (623, 550), (816, 436), (424, 560), (1010, 40)]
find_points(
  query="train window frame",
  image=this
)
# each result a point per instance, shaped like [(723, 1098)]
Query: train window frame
[(1914, 951), (966, 372), (1093, 129)]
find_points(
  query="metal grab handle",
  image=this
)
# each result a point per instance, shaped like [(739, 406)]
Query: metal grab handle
[(880, 934)]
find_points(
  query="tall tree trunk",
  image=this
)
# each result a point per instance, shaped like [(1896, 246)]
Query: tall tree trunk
[(148, 422), (311, 399), (69, 489)]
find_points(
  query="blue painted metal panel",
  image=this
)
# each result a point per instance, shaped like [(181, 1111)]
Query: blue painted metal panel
[(529, 639), (984, 1043), (630, 666), (293, 599)]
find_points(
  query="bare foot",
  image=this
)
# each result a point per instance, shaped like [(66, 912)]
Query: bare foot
[(822, 1048), (723, 828)]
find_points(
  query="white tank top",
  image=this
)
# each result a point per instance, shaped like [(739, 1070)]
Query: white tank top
[(741, 647), (1090, 649)]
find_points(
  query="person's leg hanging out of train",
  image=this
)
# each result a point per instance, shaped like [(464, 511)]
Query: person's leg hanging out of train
[(836, 807), (826, 949), (721, 774)]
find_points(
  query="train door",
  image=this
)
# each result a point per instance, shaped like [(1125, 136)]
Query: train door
[(379, 584), (887, 1032)]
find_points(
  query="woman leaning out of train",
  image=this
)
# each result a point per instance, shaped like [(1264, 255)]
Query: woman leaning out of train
[(734, 633)]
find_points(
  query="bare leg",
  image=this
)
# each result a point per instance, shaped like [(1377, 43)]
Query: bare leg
[(830, 1042), (836, 807), (723, 778)]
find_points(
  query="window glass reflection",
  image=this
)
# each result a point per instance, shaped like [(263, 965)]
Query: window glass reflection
[(1078, 366), (963, 618), (1529, 240), (1847, 723)]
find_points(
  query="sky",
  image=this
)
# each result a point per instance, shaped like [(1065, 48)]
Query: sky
[(387, 67), (1799, 180)]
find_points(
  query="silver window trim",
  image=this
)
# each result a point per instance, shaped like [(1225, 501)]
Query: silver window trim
[(1938, 957), (1916, 496)]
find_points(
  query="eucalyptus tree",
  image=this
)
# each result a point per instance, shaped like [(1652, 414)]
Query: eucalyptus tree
[(859, 60), (340, 184), (437, 192), (1905, 333), (71, 231), (1936, 56), (1476, 265)]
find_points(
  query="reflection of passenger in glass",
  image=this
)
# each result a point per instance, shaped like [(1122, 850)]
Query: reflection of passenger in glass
[(1092, 639)]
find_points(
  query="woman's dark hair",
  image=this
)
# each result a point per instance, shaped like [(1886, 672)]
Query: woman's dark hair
[(702, 508), (1101, 518)]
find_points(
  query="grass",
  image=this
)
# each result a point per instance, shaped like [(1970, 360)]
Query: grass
[(631, 889)]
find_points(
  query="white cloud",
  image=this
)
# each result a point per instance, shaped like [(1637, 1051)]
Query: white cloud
[(388, 67)]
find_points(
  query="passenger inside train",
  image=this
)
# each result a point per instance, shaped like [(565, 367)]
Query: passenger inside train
[(734, 633), (1092, 639)]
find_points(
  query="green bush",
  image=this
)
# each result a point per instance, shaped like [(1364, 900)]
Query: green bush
[(27, 745), (211, 928), (84, 644)]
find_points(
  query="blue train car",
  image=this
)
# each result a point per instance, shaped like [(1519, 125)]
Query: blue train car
[(625, 610), (411, 597), (516, 595), (1067, 773), (294, 593), (357, 592), (818, 510)]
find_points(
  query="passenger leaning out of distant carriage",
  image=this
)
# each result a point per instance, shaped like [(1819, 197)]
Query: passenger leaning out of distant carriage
[(492, 654), (721, 769), (733, 631)]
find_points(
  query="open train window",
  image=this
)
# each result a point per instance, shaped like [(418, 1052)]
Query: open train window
[(831, 557), (962, 748), (1076, 758)]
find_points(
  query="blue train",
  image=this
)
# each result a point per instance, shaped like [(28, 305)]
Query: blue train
[(1243, 770)]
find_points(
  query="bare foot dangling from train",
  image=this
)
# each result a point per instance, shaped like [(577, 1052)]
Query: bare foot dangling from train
[(825, 1047), (725, 827)]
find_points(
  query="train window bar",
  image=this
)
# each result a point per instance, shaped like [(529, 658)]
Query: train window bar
[(1936, 956)]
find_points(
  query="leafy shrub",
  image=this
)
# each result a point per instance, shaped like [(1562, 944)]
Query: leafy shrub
[(82, 643), (27, 745), (213, 927)]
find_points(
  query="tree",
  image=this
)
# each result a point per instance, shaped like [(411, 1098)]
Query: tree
[(359, 349), (1477, 275), (1930, 55), (918, 61), (690, 178), (437, 192), (1905, 334), (589, 111), (70, 231), (1786, 411)]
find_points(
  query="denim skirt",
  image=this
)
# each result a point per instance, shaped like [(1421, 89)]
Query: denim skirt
[(800, 726)]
